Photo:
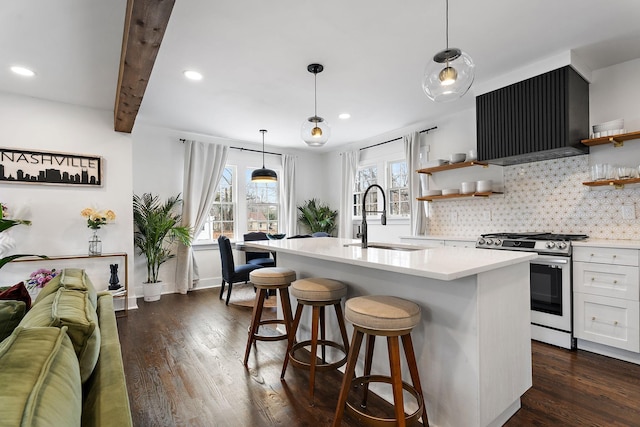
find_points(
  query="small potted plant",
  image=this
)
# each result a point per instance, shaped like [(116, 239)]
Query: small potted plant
[(317, 217), (157, 228)]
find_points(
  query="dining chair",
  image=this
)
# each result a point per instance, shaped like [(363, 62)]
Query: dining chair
[(230, 272), (258, 258)]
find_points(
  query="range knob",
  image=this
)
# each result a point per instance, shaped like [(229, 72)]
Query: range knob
[(497, 242), (481, 241), (489, 241), (561, 245), (550, 245)]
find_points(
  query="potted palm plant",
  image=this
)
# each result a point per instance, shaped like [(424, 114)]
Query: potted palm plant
[(7, 242), (317, 217), (157, 228)]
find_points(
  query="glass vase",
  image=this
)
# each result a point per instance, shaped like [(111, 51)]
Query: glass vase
[(95, 244)]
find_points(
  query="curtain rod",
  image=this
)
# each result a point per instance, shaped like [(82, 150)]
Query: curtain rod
[(396, 139), (246, 149)]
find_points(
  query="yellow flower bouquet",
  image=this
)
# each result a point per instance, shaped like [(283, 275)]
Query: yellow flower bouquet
[(96, 219)]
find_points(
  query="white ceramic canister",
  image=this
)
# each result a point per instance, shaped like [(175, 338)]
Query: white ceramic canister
[(484, 186), (468, 187)]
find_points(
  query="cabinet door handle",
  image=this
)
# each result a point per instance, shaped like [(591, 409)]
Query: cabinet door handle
[(615, 322), (615, 256), (592, 255), (593, 279), (593, 318), (615, 282)]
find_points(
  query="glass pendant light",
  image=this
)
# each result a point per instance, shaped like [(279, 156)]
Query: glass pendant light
[(450, 74), (315, 130), (263, 174)]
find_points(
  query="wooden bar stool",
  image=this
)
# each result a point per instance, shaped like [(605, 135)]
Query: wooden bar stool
[(391, 317), (266, 279), (317, 293)]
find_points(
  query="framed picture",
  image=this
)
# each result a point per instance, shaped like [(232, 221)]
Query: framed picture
[(44, 167)]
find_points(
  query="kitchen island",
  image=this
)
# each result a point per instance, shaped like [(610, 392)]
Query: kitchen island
[(473, 344)]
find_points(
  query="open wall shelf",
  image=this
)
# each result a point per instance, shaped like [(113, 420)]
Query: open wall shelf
[(451, 166), (616, 140), (618, 184), (457, 196)]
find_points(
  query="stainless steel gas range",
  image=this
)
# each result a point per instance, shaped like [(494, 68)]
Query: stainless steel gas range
[(551, 288)]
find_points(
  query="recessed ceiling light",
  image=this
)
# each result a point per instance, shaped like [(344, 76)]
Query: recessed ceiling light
[(192, 75), (344, 116), (23, 71)]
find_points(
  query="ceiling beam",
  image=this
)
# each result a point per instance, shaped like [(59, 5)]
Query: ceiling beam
[(144, 27)]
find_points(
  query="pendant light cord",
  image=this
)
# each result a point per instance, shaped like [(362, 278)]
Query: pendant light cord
[(262, 131), (315, 94), (447, 23)]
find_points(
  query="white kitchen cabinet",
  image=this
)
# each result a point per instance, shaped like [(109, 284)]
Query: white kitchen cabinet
[(606, 289), (619, 281), (610, 321), (611, 256)]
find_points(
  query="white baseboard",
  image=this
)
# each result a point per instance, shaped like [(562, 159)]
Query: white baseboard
[(605, 350)]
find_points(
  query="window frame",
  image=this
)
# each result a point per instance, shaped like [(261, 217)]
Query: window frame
[(268, 204), (390, 188), (233, 203), (384, 180)]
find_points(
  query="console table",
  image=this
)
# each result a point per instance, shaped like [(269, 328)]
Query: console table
[(96, 266)]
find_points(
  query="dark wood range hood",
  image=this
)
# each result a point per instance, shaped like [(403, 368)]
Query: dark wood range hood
[(540, 118)]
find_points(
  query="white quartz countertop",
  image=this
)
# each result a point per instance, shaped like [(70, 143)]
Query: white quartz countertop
[(442, 263), (434, 237), (609, 243)]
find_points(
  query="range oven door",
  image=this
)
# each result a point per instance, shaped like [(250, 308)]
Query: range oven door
[(551, 292)]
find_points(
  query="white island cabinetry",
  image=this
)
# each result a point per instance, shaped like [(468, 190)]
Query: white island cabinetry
[(473, 344)]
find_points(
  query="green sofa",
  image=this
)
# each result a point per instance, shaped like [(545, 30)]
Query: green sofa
[(62, 365)]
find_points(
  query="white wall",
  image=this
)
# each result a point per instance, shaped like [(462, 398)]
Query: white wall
[(159, 157), (58, 228)]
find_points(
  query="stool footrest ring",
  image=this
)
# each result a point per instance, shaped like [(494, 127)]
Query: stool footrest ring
[(369, 419), (270, 337), (319, 366)]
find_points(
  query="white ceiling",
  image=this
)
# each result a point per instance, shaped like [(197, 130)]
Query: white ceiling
[(254, 54)]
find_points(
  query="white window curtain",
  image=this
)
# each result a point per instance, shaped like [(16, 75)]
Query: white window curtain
[(288, 216), (349, 168), (203, 167), (412, 156)]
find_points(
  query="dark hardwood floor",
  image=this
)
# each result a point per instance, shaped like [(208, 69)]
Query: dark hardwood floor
[(183, 362)]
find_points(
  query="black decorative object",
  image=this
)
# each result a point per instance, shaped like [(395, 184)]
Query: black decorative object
[(114, 282)]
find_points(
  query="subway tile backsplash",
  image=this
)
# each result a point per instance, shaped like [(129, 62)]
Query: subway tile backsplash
[(545, 196)]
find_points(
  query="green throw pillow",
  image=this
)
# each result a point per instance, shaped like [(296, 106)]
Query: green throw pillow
[(11, 313), (70, 278), (40, 379), (73, 309)]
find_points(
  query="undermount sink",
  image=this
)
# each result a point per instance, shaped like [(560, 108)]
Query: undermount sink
[(388, 246)]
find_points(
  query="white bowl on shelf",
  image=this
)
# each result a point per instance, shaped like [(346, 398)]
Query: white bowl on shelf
[(468, 187), (457, 157), (613, 125), (449, 191), (484, 186)]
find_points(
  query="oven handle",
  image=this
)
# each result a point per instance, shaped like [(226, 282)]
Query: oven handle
[(542, 260)]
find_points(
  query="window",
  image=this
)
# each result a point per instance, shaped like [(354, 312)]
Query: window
[(398, 191), (366, 176), (221, 218), (262, 205)]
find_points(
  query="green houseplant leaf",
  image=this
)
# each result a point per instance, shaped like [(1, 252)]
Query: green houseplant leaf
[(317, 216), (6, 224), (157, 227)]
